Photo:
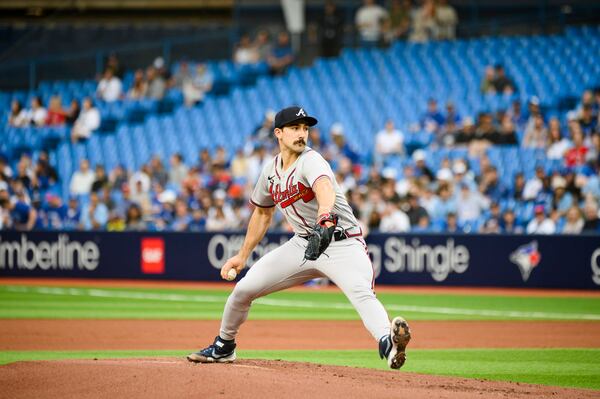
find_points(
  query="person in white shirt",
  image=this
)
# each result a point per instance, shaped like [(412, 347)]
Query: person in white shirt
[(256, 162), (87, 122), (540, 224), (536, 133), (157, 86), (534, 185), (82, 179), (447, 20), (246, 52), (388, 141), (18, 116), (394, 220), (37, 114), (557, 145), (574, 223), (178, 171), (369, 22), (110, 87), (195, 88), (470, 204), (142, 177), (425, 26), (220, 216)]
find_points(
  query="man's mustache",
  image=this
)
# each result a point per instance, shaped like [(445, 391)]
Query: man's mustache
[(300, 141)]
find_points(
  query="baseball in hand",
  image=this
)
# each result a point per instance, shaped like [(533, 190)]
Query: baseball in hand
[(231, 275)]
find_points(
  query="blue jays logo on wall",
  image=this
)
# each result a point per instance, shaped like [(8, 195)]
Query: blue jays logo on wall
[(526, 257)]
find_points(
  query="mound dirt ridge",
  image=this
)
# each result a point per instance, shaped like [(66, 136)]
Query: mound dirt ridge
[(177, 378)]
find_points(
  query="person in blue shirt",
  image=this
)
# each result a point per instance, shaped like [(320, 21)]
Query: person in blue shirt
[(518, 115), (509, 225), (338, 146), (587, 120), (198, 222), (40, 216), (452, 117), (491, 186), (23, 215), (562, 200), (282, 55), (55, 212), (95, 215), (165, 216), (182, 217), (423, 225), (433, 119), (493, 220), (45, 172), (451, 223), (73, 215), (123, 199), (446, 204)]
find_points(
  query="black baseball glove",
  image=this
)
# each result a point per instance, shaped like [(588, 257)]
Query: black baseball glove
[(320, 236)]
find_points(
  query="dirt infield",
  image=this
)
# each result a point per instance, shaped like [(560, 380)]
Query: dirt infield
[(287, 334), (176, 378)]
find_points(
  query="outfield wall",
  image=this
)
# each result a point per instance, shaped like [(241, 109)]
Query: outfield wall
[(445, 260)]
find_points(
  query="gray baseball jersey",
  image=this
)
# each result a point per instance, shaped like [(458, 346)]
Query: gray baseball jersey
[(291, 191), (347, 263)]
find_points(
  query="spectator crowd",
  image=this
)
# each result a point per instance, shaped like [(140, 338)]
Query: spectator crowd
[(463, 195), (419, 22)]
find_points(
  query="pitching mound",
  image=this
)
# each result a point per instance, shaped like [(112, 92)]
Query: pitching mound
[(177, 378)]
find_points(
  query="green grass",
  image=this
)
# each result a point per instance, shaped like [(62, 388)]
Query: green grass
[(128, 303), (557, 367)]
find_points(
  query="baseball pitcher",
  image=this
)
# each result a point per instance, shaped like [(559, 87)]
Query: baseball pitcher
[(327, 242)]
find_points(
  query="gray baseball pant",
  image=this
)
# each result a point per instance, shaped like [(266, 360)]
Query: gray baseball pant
[(347, 265)]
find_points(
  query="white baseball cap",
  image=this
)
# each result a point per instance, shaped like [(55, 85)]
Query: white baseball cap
[(459, 167), (337, 129), (418, 155), (444, 174), (468, 121), (167, 196), (559, 182), (159, 62), (389, 173), (220, 194)]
